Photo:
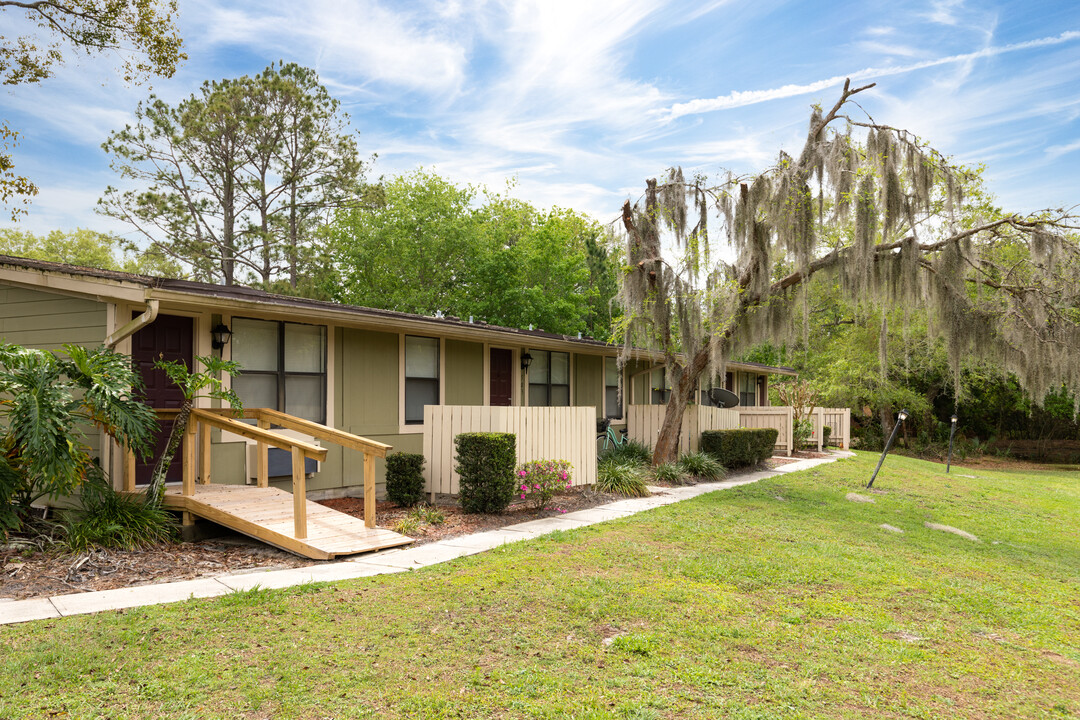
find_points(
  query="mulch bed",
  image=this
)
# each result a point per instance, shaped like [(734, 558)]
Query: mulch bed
[(29, 571)]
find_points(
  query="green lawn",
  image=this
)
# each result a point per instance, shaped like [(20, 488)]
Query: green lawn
[(775, 600)]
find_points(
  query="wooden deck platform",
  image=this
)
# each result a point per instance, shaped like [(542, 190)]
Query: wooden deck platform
[(266, 514)]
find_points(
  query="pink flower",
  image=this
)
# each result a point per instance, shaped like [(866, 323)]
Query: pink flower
[(523, 473), (522, 496), (523, 487)]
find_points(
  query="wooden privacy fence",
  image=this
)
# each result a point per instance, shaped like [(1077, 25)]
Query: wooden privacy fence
[(780, 418), (543, 433), (839, 419), (644, 422)]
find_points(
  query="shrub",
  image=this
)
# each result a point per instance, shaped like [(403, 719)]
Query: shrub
[(109, 519), (670, 472), (485, 463), (539, 480), (826, 431), (621, 478), (801, 432), (741, 447), (630, 451), (405, 478), (702, 466)]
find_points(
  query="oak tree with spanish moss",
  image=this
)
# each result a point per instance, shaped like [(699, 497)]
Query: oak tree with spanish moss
[(879, 211)]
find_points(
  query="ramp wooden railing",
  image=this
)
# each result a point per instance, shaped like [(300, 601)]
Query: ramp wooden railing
[(197, 443)]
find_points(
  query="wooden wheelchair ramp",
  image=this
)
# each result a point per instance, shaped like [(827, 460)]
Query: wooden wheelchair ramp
[(266, 514)]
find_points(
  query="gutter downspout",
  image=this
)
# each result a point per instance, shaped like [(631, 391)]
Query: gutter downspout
[(137, 323)]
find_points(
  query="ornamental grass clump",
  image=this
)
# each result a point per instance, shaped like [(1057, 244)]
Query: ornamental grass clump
[(621, 478), (631, 452), (670, 473), (539, 480), (701, 466)]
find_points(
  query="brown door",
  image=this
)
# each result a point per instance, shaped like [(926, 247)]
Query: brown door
[(502, 376), (170, 338)]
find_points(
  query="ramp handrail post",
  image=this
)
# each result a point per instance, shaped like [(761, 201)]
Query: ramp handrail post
[(189, 455), (299, 489), (369, 490)]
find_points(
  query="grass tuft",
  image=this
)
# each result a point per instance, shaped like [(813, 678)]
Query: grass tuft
[(621, 478)]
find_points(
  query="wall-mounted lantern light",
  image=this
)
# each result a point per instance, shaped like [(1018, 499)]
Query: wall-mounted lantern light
[(220, 336), (526, 361)]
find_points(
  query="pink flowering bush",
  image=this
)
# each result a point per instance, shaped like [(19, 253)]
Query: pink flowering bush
[(539, 480)]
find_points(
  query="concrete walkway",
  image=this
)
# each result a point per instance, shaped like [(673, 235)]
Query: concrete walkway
[(377, 563)]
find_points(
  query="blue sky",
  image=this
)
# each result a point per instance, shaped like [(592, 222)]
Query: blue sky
[(581, 100)]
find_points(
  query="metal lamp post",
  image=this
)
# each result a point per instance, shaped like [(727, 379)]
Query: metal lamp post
[(952, 433), (900, 417)]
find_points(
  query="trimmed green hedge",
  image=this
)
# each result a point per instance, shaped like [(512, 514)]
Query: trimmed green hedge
[(405, 478), (825, 433), (739, 448), (485, 463)]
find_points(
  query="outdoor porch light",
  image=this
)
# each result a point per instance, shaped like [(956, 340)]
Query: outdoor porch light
[(220, 336), (526, 361), (952, 433)]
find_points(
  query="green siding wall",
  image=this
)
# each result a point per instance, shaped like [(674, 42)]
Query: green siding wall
[(588, 382), (37, 319), (464, 373), (46, 321)]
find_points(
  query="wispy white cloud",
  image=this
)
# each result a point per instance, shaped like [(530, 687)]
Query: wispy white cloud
[(1055, 151), (751, 97)]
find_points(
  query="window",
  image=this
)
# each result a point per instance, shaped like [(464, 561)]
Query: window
[(549, 379), (747, 389), (613, 408), (421, 377), (282, 366), (661, 390), (706, 391)]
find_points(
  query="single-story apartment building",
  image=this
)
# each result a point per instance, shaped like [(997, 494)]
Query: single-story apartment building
[(365, 371)]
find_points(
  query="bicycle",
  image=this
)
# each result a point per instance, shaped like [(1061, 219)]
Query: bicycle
[(607, 433)]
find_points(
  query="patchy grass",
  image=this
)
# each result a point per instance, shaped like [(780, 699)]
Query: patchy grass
[(775, 600)]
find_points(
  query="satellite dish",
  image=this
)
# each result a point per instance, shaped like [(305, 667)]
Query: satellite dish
[(723, 398)]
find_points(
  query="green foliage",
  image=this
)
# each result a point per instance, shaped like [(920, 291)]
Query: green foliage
[(631, 451), (801, 431), (740, 447), (701, 466), (86, 248), (111, 520), (539, 480), (428, 514), (47, 402), (425, 245), (192, 385), (407, 525), (405, 478), (233, 181), (621, 477), (668, 472), (826, 432), (485, 464)]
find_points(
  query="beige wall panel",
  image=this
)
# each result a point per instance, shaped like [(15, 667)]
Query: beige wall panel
[(464, 373), (369, 383), (589, 382), (37, 319)]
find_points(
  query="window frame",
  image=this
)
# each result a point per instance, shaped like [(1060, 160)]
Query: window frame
[(281, 374), (439, 386), (618, 391), (549, 384), (742, 382)]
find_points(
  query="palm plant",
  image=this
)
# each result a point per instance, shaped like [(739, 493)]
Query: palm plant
[(48, 400), (192, 385)]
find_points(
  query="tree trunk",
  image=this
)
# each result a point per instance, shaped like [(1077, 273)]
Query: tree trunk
[(667, 442), (156, 488)]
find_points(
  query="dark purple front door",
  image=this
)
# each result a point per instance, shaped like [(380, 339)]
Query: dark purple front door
[(170, 338), (502, 377)]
